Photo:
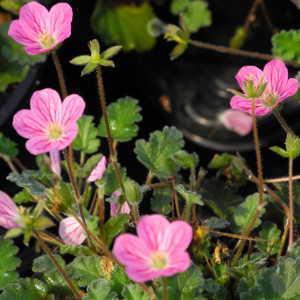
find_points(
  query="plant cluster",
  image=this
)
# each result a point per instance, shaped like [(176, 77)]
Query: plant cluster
[(192, 243)]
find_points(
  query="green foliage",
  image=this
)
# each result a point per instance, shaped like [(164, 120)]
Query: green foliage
[(282, 282), (100, 290), (185, 160), (134, 292), (246, 211), (7, 146), (22, 197), (26, 289), (292, 144), (75, 250), (89, 165), (12, 5), (269, 232), (187, 285), (86, 139), (14, 61), (156, 155), (190, 197), (25, 181), (239, 37), (195, 13), (286, 45), (122, 116), (112, 183), (133, 192), (8, 262), (114, 226), (124, 25), (46, 270), (161, 201), (219, 197)]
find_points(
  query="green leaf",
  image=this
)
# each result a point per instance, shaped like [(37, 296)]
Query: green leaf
[(118, 279), (279, 151), (134, 292), (189, 196), (122, 116), (292, 144), (286, 45), (112, 183), (177, 6), (114, 226), (81, 60), (197, 15), (100, 290), (24, 181), (7, 146), (75, 250), (87, 269), (156, 154), (221, 199), (185, 160), (124, 25), (161, 203), (23, 197), (26, 289), (86, 139), (8, 262), (269, 232), (88, 167), (245, 212), (178, 50), (90, 67), (239, 37), (108, 53)]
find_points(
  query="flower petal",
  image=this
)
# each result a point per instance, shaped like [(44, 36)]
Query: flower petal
[(98, 171), (8, 212), (71, 231), (39, 144), (290, 89), (151, 231), (178, 262), (55, 161), (72, 108), (249, 72)]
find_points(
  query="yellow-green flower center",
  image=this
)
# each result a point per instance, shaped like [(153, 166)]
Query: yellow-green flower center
[(158, 261), (46, 40), (54, 131), (269, 99)]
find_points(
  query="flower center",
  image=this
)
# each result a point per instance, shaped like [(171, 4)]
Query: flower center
[(54, 131), (269, 99), (158, 261), (46, 40)]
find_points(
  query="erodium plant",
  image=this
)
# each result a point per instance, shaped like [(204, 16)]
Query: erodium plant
[(170, 235)]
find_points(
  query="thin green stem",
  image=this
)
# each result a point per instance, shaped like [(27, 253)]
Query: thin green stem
[(283, 237), (60, 269), (9, 163), (109, 138), (237, 52), (282, 122), (101, 212), (164, 288), (291, 214)]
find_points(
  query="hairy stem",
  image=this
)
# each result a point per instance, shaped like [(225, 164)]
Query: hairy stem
[(60, 269), (282, 122), (60, 74), (283, 237), (291, 214)]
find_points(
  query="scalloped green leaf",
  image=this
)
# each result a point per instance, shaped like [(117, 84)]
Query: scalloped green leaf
[(156, 155), (26, 289), (112, 183), (124, 25), (245, 212), (286, 45), (23, 197), (133, 291), (122, 117), (7, 146), (86, 139), (100, 290), (118, 279), (87, 269), (197, 15), (24, 181), (189, 196), (75, 250), (177, 6), (185, 160), (269, 232), (114, 226), (8, 262), (161, 201)]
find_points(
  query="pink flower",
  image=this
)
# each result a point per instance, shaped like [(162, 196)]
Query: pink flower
[(49, 124), (236, 121), (114, 206), (279, 87), (71, 231), (98, 171), (55, 161), (40, 30), (9, 213), (158, 250)]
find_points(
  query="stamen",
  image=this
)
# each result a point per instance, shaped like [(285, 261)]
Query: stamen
[(159, 261), (54, 131), (46, 40)]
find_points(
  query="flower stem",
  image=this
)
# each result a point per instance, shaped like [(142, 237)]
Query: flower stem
[(60, 269), (291, 214), (109, 138), (251, 15), (164, 288), (283, 237), (237, 52), (101, 213), (282, 122), (60, 74), (9, 163)]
